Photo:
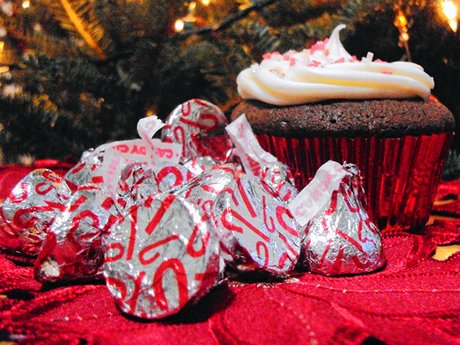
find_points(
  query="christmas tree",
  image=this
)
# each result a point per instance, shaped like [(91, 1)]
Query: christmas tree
[(78, 73)]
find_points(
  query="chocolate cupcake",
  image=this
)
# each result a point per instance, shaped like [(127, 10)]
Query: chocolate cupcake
[(322, 104)]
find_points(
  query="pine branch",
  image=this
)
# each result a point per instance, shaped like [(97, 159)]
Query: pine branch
[(77, 21), (77, 17), (257, 6)]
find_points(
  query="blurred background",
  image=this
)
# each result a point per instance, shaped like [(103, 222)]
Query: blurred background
[(78, 73)]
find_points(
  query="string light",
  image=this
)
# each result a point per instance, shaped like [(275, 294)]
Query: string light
[(26, 4), (179, 25), (450, 11), (402, 23), (189, 20)]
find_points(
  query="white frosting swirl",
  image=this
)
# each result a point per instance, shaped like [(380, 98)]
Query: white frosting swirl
[(328, 71)]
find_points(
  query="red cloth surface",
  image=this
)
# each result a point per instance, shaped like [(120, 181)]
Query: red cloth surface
[(413, 300)]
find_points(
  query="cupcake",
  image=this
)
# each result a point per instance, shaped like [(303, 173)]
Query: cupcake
[(323, 104)]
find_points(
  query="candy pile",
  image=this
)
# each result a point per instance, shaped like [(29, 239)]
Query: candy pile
[(164, 220)]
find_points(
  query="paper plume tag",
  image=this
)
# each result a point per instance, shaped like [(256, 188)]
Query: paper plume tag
[(318, 192), (251, 153)]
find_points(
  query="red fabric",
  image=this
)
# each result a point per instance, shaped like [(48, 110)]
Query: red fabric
[(413, 300)]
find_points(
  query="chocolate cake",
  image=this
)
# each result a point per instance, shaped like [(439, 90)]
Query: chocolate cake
[(350, 119)]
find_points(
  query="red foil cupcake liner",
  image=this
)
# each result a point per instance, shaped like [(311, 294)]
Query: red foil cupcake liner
[(400, 175)]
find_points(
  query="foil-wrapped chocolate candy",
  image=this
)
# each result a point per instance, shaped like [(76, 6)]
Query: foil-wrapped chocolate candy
[(161, 257), (259, 162), (204, 189), (278, 176), (137, 183), (197, 165), (200, 127), (86, 170), (341, 239), (172, 176), (72, 247), (255, 227), (31, 207)]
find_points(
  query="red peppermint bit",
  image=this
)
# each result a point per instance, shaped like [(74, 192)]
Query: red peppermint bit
[(317, 46), (287, 55), (292, 62), (266, 56), (341, 60), (354, 59), (378, 60), (387, 72), (314, 63), (326, 52)]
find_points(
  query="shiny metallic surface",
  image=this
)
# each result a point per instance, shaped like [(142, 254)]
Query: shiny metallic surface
[(257, 231), (161, 257), (87, 170), (137, 183), (200, 127), (341, 239), (72, 248), (31, 207)]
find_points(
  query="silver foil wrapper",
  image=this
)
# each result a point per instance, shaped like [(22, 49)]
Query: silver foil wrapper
[(172, 176), (279, 178), (200, 127), (255, 227), (31, 207), (204, 189), (137, 183), (341, 239), (86, 170), (72, 248), (197, 165), (161, 257)]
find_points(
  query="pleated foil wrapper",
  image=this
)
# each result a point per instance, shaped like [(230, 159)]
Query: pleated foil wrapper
[(73, 245), (258, 233), (341, 239), (162, 257), (87, 170), (137, 183), (400, 176), (200, 127), (172, 176), (31, 208)]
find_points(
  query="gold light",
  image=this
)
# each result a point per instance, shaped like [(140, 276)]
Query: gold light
[(206, 2), (179, 25), (26, 4), (450, 11)]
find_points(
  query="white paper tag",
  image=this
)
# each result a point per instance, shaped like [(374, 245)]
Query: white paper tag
[(146, 150), (252, 155), (111, 168), (148, 126), (318, 192), (133, 150), (164, 151)]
